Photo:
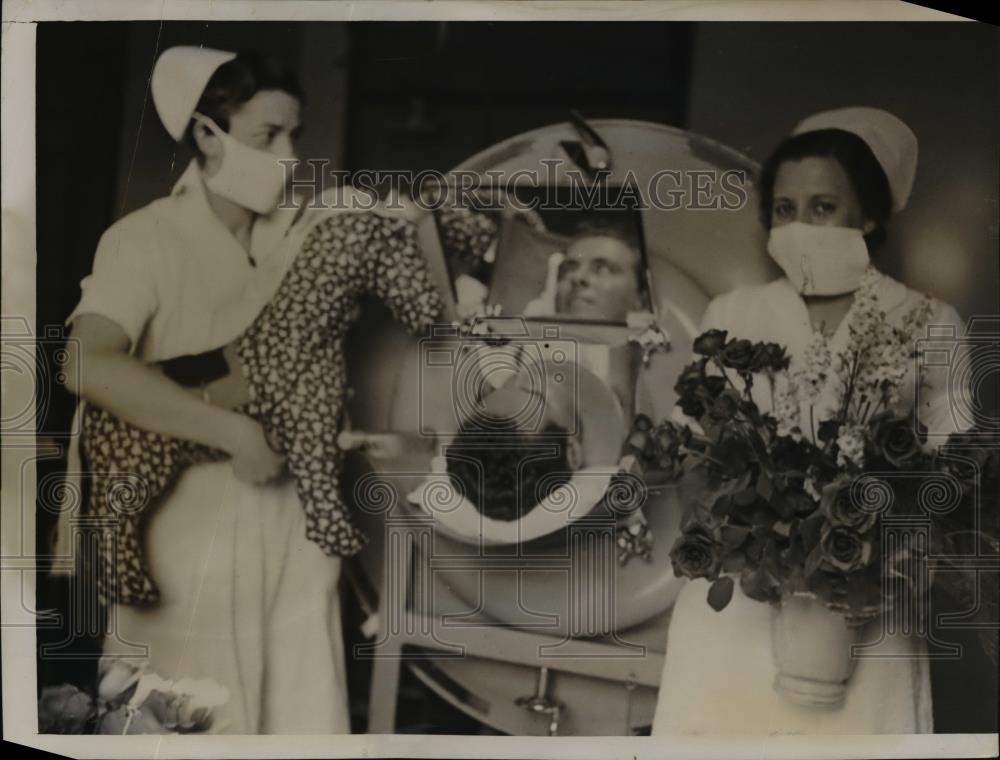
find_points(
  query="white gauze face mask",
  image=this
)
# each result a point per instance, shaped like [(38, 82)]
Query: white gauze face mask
[(251, 178), (820, 260)]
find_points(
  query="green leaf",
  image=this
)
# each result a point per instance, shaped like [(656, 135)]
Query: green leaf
[(771, 563), (813, 562), (722, 506), (810, 529), (720, 593), (734, 562), (764, 486), (783, 528), (733, 536)]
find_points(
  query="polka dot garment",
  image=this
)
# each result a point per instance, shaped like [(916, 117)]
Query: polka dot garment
[(292, 359)]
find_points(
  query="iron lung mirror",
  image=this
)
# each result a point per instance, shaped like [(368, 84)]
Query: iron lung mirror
[(553, 253)]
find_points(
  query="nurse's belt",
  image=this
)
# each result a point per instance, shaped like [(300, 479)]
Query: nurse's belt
[(179, 79)]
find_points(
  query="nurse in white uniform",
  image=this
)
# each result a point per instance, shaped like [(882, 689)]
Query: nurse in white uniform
[(246, 600), (826, 195)]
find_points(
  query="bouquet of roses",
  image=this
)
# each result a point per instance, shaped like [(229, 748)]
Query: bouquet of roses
[(801, 498), (130, 699)]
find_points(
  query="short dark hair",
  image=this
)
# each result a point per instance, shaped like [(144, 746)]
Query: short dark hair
[(589, 228), (237, 81), (503, 473), (866, 175)]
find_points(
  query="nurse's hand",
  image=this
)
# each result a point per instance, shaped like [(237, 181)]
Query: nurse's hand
[(254, 461)]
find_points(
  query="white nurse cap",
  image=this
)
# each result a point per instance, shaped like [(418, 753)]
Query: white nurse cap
[(891, 142), (179, 79)]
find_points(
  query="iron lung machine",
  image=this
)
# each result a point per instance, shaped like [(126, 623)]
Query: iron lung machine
[(544, 626)]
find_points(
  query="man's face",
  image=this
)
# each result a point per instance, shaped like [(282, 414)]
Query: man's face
[(599, 279)]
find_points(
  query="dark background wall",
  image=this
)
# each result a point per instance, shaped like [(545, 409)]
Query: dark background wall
[(750, 84), (428, 95)]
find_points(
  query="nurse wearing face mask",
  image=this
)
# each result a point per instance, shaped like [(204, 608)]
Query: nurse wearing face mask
[(246, 599), (826, 195)]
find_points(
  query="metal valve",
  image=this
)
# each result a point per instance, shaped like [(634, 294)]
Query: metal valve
[(541, 703)]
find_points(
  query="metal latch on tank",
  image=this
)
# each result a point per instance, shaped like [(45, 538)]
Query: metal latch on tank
[(542, 704), (590, 152)]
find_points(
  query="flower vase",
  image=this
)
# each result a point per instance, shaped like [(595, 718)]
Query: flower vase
[(812, 652)]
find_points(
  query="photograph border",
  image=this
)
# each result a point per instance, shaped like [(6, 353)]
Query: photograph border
[(18, 454)]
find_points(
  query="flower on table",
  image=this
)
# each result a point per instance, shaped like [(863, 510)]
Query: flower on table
[(116, 675), (64, 709), (162, 706), (812, 378)]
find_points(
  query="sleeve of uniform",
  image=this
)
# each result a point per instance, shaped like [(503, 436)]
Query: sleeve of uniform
[(944, 404), (401, 277), (122, 285), (716, 316)]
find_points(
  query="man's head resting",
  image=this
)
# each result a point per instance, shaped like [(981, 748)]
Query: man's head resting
[(504, 462), (505, 473), (601, 276)]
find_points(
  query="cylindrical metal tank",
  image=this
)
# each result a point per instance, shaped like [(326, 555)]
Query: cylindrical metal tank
[(509, 643)]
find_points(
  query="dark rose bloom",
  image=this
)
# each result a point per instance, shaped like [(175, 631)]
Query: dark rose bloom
[(844, 550), (840, 509), (691, 405), (642, 423), (710, 342), (63, 710), (828, 430), (792, 501), (737, 354), (733, 455), (668, 439), (697, 553), (895, 440), (724, 407), (768, 356), (690, 378), (791, 454), (714, 385)]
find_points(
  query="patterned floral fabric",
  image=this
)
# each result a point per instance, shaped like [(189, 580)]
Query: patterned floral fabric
[(292, 359), (466, 235)]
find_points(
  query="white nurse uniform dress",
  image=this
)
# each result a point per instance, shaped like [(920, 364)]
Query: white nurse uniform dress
[(247, 600), (719, 670)]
